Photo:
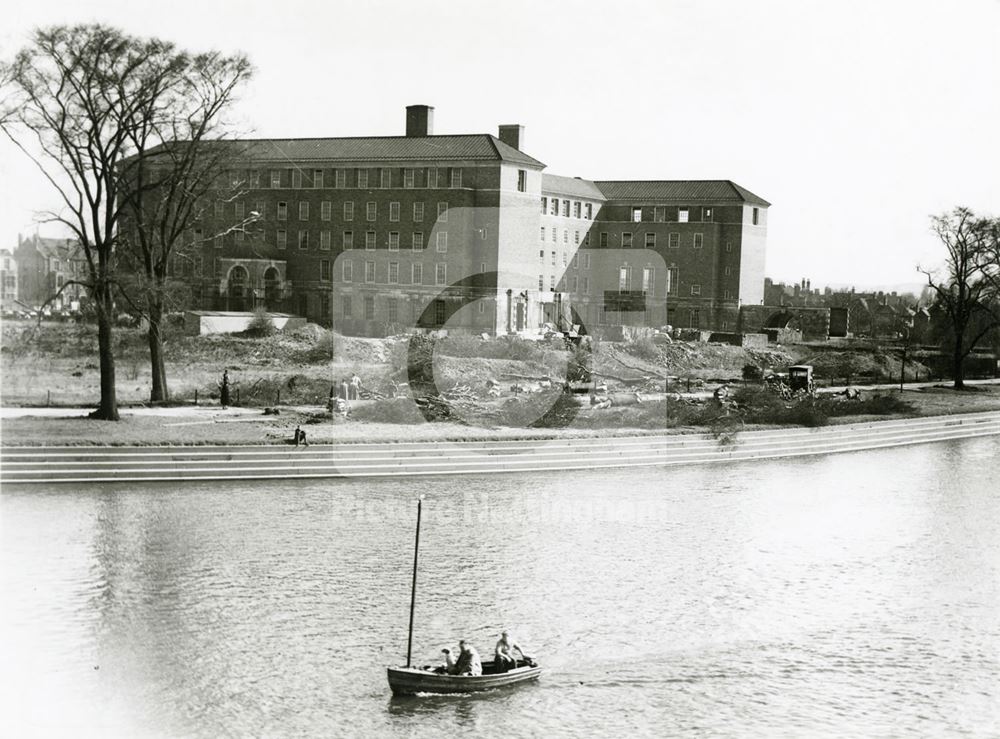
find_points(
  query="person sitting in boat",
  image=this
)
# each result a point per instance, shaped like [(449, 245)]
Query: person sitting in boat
[(503, 655), (448, 668), (468, 662)]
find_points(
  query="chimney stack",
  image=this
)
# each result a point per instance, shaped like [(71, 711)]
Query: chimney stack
[(512, 134), (419, 120)]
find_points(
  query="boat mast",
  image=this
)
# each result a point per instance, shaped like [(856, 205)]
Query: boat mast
[(413, 590)]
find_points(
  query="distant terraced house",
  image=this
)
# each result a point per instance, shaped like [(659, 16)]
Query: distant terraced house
[(380, 234)]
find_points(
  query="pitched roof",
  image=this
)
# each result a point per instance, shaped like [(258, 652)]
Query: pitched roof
[(687, 191), (49, 247), (480, 146), (572, 186)]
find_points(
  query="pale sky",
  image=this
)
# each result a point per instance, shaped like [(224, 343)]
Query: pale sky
[(856, 120)]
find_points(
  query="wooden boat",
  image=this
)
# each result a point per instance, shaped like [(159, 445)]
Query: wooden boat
[(413, 680), (410, 680)]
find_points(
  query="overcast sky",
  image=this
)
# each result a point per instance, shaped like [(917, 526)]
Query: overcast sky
[(856, 120)]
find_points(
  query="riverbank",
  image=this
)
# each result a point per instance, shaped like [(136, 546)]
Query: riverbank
[(241, 426)]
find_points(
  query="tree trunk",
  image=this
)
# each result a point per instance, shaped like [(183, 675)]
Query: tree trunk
[(159, 392), (108, 408), (958, 367)]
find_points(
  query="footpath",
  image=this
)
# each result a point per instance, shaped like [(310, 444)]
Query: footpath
[(77, 465)]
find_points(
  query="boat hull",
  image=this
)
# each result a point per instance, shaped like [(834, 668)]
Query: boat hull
[(411, 680)]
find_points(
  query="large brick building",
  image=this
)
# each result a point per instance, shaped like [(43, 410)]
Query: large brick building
[(377, 234)]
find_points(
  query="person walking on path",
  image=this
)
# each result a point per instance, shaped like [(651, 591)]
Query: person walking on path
[(355, 386), (224, 389)]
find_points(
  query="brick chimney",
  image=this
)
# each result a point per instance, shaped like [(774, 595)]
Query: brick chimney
[(512, 135), (419, 120)]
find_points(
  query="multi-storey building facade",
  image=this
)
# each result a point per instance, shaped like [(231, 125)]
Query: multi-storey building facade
[(8, 281), (379, 234), (47, 269)]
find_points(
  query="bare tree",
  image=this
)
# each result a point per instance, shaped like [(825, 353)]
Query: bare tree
[(965, 289), (180, 164)]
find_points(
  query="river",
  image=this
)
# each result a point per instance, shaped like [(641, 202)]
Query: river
[(853, 594)]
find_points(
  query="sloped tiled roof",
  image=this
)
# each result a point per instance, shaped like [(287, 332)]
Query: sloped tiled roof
[(49, 247), (388, 148), (687, 191), (572, 186)]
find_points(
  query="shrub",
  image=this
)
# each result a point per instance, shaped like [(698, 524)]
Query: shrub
[(261, 324), (643, 347), (752, 373), (390, 410)]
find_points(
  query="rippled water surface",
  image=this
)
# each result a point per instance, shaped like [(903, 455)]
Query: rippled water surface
[(853, 594)]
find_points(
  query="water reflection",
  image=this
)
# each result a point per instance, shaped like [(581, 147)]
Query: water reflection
[(849, 594)]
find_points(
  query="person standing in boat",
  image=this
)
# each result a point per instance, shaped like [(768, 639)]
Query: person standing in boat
[(468, 662), (503, 654)]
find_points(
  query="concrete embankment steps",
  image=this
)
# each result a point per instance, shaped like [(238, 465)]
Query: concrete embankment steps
[(42, 465)]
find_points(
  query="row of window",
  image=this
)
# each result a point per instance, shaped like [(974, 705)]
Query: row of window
[(627, 239), (551, 206), (392, 273), (358, 177), (326, 211), (682, 214)]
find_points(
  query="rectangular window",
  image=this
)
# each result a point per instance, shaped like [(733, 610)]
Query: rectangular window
[(673, 280), (296, 179), (282, 211), (456, 177), (303, 211), (565, 261), (362, 178), (303, 239), (541, 282), (417, 274), (659, 214), (408, 178), (261, 209), (543, 233), (218, 242), (756, 216), (545, 205), (324, 270), (348, 243), (565, 208), (729, 246), (386, 178), (696, 289), (254, 179), (241, 210), (441, 273), (552, 283), (565, 235), (220, 209), (624, 278), (418, 241), (588, 211), (349, 210), (369, 241), (728, 295), (576, 208), (674, 240), (317, 178), (347, 271), (637, 215), (281, 238), (369, 307), (443, 212), (553, 259), (603, 241), (682, 215), (648, 279), (573, 282), (585, 284), (241, 236), (522, 180), (586, 261), (555, 235), (324, 240), (325, 210), (432, 177), (442, 241), (275, 179), (371, 211), (554, 207), (393, 273), (706, 214), (576, 237), (418, 212), (394, 241), (576, 261), (728, 271), (650, 240), (394, 212), (393, 312), (341, 178), (699, 240), (627, 240), (369, 272), (346, 306)]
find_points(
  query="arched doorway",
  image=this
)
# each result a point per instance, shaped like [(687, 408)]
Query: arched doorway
[(272, 288), (237, 289)]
